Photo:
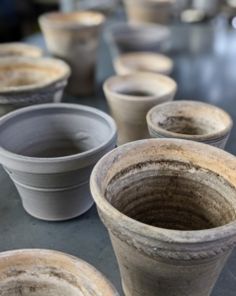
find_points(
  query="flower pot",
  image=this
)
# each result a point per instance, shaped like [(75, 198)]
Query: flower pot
[(77, 35), (26, 81), (20, 49), (190, 120), (49, 151), (143, 62), (130, 97), (149, 11), (46, 272), (170, 208)]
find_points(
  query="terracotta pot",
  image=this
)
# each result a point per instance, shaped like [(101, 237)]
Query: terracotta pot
[(20, 49), (144, 62), (78, 34), (46, 272), (130, 97), (49, 151), (149, 11), (26, 81), (170, 208), (190, 120)]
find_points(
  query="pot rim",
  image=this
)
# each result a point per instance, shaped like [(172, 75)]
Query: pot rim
[(157, 233), (194, 104), (22, 47)]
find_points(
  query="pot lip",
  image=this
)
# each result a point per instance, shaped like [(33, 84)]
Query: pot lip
[(40, 61), (89, 271), (21, 46), (137, 75), (156, 233), (194, 104), (63, 159)]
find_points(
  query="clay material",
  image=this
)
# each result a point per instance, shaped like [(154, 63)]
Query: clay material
[(49, 151), (170, 208), (74, 37), (190, 120), (130, 97), (20, 49), (37, 272)]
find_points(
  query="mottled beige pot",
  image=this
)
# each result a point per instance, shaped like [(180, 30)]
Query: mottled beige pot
[(149, 11), (35, 272), (20, 49), (170, 208), (74, 37), (130, 97), (190, 120)]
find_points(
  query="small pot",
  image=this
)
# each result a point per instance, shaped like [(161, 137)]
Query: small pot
[(49, 151), (20, 49), (77, 34), (170, 208), (26, 81), (190, 120), (46, 272), (143, 62), (130, 97)]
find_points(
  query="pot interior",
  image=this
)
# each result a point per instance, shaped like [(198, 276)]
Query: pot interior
[(173, 195)]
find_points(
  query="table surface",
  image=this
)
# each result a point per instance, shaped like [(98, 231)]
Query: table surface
[(205, 68)]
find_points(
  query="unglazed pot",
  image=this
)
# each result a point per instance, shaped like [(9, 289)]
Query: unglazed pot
[(20, 49), (190, 120), (143, 62), (27, 81), (49, 151), (74, 37), (170, 209), (37, 272), (130, 97)]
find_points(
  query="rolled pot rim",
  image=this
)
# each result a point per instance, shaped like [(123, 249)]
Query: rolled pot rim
[(40, 61), (167, 235), (195, 104), (10, 46), (89, 271)]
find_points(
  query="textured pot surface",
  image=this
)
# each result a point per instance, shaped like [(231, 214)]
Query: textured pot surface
[(190, 120), (20, 49), (37, 272), (170, 208), (78, 34), (130, 97), (50, 161)]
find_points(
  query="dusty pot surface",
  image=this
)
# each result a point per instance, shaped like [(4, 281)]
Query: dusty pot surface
[(170, 208), (190, 120), (49, 151), (78, 35), (143, 62), (37, 272), (20, 49), (130, 97)]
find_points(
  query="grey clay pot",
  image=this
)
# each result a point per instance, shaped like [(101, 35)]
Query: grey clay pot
[(49, 151), (170, 209)]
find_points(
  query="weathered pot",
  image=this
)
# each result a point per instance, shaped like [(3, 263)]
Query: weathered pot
[(77, 35), (26, 81), (49, 151), (149, 11), (190, 120), (143, 62), (170, 208), (20, 49), (130, 97), (46, 272)]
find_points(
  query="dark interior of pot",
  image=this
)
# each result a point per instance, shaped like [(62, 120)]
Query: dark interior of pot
[(173, 195)]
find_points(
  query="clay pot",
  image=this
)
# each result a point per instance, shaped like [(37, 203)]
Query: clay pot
[(26, 81), (143, 62), (49, 151), (170, 208), (130, 97), (149, 11), (20, 49), (190, 120), (46, 272), (74, 37)]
